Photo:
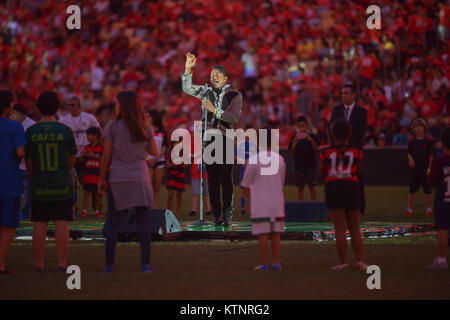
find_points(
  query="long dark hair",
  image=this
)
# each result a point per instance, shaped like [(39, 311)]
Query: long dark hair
[(156, 117), (132, 112)]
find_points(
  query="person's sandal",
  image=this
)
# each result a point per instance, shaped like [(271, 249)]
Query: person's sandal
[(361, 266), (340, 267)]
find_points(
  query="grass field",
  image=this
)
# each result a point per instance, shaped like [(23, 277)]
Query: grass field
[(223, 269), (384, 203)]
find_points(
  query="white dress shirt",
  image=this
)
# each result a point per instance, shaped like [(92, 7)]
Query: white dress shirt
[(350, 109)]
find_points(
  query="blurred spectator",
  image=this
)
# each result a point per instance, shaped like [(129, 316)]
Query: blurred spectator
[(401, 138), (287, 57)]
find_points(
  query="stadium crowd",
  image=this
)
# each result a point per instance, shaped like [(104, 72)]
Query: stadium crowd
[(287, 57)]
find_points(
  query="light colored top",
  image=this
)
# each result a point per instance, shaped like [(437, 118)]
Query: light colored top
[(26, 124), (128, 159), (97, 78), (266, 191), (79, 125)]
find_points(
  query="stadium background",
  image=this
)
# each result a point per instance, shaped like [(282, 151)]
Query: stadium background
[(287, 57)]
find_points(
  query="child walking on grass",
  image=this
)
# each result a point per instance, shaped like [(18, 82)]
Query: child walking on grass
[(266, 202)]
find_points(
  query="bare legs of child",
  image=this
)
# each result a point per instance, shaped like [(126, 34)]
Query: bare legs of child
[(6, 239), (206, 204), (312, 193), (62, 243), (96, 197), (428, 199), (179, 195), (343, 220), (263, 240), (440, 262)]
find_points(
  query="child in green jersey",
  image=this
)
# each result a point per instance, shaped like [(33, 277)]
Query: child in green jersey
[(51, 152)]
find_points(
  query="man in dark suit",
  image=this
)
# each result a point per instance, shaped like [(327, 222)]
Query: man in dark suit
[(357, 116)]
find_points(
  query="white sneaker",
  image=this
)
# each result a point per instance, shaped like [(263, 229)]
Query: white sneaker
[(340, 267), (438, 265)]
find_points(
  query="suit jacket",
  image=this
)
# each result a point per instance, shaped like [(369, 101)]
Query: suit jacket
[(358, 121)]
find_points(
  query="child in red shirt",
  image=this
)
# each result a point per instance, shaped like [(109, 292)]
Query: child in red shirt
[(91, 156), (341, 164)]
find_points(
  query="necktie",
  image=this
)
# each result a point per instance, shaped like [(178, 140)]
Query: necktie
[(346, 113)]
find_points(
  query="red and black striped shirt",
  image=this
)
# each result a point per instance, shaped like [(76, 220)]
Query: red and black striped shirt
[(341, 164), (92, 165)]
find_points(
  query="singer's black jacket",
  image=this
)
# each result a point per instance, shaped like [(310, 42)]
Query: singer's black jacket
[(228, 103)]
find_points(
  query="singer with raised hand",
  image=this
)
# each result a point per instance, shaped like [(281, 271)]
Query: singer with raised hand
[(223, 105)]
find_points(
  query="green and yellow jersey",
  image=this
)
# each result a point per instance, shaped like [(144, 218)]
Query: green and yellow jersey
[(50, 145)]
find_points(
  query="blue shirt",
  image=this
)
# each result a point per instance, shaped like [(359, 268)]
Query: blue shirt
[(12, 136), (245, 150)]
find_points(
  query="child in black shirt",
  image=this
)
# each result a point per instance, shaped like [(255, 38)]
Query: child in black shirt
[(304, 147), (420, 156)]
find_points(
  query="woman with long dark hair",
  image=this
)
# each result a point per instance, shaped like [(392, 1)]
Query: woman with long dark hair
[(157, 164), (127, 140)]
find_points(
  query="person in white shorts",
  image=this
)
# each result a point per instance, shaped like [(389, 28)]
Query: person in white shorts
[(266, 203)]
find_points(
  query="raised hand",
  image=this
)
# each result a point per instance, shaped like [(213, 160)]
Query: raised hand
[(190, 62)]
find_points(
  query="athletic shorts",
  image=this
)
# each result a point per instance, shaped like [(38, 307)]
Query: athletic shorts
[(442, 217), (45, 211), (342, 195), (159, 164), (90, 187), (267, 227), (196, 187), (10, 212), (305, 177), (418, 178)]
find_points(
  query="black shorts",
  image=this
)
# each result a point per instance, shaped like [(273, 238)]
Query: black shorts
[(90, 187), (45, 211), (343, 195), (418, 178), (305, 177)]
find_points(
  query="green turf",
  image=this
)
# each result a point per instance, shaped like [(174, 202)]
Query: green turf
[(223, 270), (384, 203)]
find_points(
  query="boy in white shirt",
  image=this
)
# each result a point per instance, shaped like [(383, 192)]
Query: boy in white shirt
[(266, 202)]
